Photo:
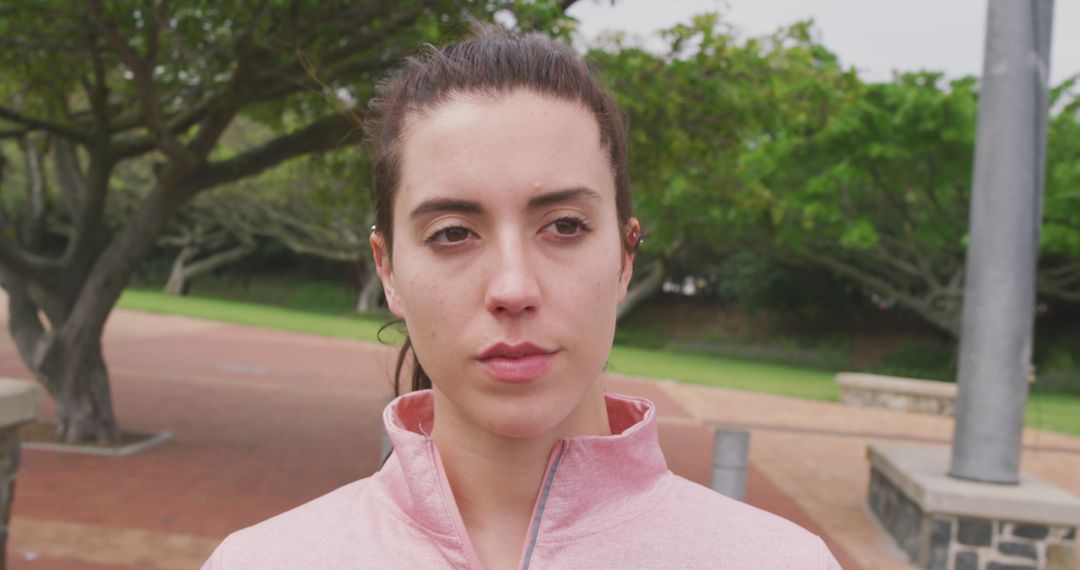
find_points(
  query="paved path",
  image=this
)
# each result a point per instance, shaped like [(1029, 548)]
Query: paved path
[(265, 420)]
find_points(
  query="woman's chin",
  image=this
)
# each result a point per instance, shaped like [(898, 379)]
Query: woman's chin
[(514, 425)]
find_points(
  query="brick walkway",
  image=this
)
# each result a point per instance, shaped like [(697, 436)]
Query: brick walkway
[(263, 421)]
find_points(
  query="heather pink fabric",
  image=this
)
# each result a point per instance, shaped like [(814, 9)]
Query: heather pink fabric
[(606, 502)]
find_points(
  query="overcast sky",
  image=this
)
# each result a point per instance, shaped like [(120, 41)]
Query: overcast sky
[(874, 36)]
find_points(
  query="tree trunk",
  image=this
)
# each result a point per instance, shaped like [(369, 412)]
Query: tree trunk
[(205, 265), (84, 402), (370, 297), (67, 359), (178, 279), (642, 290), (71, 369)]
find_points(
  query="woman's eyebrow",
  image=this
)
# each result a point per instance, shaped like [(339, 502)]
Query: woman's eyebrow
[(445, 205), (469, 207), (559, 196)]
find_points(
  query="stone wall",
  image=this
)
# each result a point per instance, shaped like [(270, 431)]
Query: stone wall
[(944, 542), (900, 402), (9, 464), (894, 393)]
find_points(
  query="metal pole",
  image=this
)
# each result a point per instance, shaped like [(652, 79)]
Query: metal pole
[(731, 449), (1006, 211)]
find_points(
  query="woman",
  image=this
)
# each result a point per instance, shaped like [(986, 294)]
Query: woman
[(505, 241)]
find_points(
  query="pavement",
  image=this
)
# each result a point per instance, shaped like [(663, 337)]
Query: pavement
[(263, 421)]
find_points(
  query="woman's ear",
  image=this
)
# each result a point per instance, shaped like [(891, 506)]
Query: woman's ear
[(632, 235), (381, 253)]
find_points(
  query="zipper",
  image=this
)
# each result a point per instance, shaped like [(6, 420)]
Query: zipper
[(541, 502)]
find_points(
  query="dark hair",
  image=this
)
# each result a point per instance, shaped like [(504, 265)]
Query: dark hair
[(494, 62)]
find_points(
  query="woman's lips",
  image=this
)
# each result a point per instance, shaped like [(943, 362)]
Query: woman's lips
[(524, 368)]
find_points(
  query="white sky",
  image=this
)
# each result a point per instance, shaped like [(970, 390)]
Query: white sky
[(874, 36)]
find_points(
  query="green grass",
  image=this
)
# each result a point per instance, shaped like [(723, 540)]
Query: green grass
[(1056, 412), (295, 293), (724, 372), (354, 327)]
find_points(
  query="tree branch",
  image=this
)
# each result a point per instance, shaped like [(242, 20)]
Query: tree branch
[(97, 92), (129, 147), (328, 133), (304, 238), (1062, 282), (41, 124), (216, 260), (70, 177), (31, 267), (948, 320), (34, 212), (142, 70)]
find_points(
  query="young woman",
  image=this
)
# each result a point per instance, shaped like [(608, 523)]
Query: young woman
[(505, 241)]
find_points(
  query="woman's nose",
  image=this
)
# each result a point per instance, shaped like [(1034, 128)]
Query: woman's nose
[(513, 286)]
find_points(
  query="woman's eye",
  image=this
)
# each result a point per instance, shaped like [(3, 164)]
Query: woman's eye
[(454, 235), (450, 235), (568, 226)]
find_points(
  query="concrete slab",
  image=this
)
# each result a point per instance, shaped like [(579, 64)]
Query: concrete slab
[(922, 474), (19, 401)]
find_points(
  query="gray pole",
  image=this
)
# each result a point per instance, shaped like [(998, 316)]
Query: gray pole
[(731, 455), (1006, 212)]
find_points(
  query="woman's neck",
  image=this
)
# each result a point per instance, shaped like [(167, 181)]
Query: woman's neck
[(495, 479)]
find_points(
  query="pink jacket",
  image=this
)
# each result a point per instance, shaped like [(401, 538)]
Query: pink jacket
[(605, 502)]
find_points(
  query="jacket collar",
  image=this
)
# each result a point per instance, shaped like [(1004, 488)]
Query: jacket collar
[(598, 481)]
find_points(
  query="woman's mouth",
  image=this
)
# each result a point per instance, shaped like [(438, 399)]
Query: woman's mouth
[(523, 362)]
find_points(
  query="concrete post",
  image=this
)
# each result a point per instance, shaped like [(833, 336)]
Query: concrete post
[(19, 403), (730, 457), (1006, 211)]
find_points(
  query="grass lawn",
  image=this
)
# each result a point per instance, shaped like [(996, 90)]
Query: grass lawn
[(1054, 412), (354, 327), (724, 372), (1057, 412)]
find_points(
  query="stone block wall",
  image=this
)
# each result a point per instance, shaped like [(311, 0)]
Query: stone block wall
[(897, 401), (938, 541), (9, 464)]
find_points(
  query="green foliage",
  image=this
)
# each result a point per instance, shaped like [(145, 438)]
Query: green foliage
[(753, 281), (693, 110), (768, 145), (886, 174), (1060, 236)]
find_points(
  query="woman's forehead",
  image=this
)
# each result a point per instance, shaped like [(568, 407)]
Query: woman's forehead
[(507, 147)]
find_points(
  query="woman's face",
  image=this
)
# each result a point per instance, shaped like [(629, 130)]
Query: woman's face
[(507, 261)]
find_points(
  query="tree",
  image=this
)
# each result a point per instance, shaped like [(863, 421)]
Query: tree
[(879, 194), (314, 208), (104, 84), (768, 145), (1059, 273), (692, 111), (210, 234)]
